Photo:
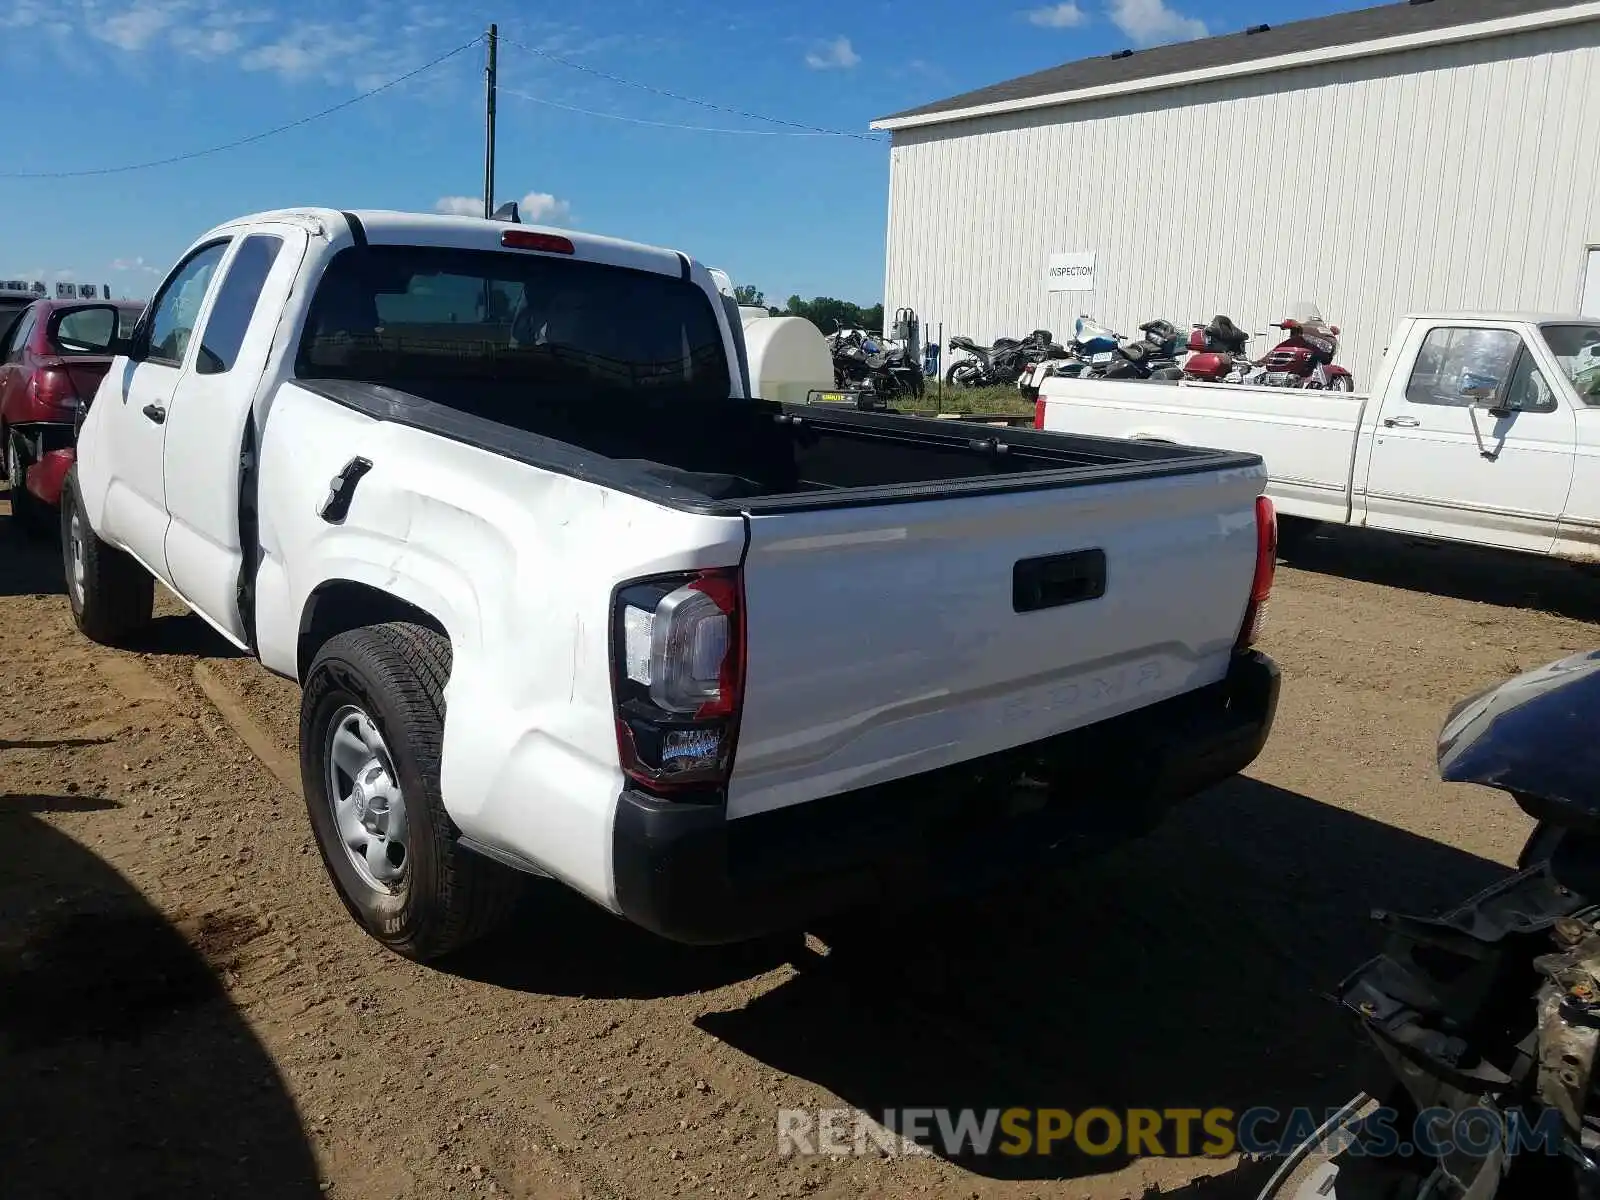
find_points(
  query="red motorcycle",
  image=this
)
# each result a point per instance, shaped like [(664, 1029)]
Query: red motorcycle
[(1304, 358), (1216, 351)]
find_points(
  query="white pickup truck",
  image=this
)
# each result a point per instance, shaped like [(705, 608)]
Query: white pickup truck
[(1483, 427), (564, 599)]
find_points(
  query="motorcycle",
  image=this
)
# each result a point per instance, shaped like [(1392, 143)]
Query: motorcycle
[(1487, 1018), (1002, 363), (1154, 356), (1093, 345), (879, 371), (1216, 351), (1304, 359)]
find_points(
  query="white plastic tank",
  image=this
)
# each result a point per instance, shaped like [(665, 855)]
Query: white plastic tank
[(788, 358)]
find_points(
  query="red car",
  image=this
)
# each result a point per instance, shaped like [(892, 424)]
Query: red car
[(54, 357)]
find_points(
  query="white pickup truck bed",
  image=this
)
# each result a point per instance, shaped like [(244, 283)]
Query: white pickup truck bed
[(1308, 438)]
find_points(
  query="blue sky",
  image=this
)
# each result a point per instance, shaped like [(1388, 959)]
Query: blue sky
[(99, 83)]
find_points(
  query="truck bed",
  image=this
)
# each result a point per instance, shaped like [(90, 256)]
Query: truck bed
[(1307, 438), (747, 456)]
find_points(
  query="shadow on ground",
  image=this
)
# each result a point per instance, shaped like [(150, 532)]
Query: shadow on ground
[(182, 634), (124, 1070), (562, 945), (1186, 971), (1474, 573), (30, 564)]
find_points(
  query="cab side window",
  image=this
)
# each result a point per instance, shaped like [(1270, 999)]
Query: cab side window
[(175, 311), (236, 303), (1459, 365)]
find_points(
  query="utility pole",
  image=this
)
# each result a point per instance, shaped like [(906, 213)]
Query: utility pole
[(488, 113)]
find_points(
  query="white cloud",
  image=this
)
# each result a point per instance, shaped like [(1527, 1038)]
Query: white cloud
[(134, 264), (460, 206), (831, 56), (1148, 22), (535, 208), (137, 27), (1057, 16)]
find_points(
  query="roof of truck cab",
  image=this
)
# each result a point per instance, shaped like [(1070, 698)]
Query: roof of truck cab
[(403, 228), (1508, 318)]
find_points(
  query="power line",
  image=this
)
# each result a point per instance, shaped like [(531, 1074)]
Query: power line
[(590, 112), (645, 87), (254, 137)]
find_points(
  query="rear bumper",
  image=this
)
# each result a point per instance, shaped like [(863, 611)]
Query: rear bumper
[(687, 873), (46, 477)]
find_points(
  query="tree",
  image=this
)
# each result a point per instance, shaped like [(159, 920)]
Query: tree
[(750, 296), (825, 311)]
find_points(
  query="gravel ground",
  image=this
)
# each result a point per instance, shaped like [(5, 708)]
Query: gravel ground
[(186, 1010)]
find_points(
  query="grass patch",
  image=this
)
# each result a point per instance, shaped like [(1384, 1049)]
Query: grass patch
[(990, 401)]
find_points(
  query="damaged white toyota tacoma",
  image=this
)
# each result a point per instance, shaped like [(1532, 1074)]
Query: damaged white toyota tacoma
[(565, 599)]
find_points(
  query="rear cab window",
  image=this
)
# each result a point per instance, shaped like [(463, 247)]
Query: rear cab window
[(549, 333), (1576, 348)]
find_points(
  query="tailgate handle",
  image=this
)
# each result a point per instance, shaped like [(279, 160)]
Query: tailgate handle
[(1058, 579)]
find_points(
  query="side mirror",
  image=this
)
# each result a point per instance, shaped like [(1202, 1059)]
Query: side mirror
[(91, 329), (1333, 329)]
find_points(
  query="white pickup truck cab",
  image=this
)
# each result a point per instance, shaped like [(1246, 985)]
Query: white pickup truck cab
[(564, 599), (1483, 427)]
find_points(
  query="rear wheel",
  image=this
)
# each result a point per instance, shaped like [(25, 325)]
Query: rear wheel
[(963, 375), (1341, 383), (111, 595), (27, 512), (371, 735)]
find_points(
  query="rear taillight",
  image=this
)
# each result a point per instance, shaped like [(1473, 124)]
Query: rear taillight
[(1255, 612), (1038, 411), (53, 386), (678, 678)]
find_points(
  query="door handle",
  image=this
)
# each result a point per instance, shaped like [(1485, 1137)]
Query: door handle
[(1403, 422), (156, 413)]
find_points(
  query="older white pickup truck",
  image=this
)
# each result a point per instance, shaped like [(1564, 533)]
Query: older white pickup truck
[(1483, 427), (565, 599)]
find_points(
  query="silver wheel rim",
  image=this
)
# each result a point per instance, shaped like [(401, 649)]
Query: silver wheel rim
[(369, 810), (75, 552), (13, 467)]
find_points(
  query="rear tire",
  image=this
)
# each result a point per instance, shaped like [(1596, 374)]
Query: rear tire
[(111, 595), (28, 514), (440, 896), (963, 375)]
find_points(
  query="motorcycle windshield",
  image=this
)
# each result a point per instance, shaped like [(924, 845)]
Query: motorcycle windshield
[(1533, 735), (1088, 330), (1304, 311)]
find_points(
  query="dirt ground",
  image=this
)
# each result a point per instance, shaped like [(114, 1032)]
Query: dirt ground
[(186, 1010)]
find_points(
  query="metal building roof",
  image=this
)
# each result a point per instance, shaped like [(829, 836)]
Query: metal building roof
[(1411, 22)]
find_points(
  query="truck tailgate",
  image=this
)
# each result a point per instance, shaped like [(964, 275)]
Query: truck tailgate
[(888, 640)]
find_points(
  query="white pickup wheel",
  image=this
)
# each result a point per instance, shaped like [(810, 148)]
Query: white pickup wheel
[(371, 734), (111, 595)]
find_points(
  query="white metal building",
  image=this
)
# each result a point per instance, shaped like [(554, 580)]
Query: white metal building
[(1438, 154)]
